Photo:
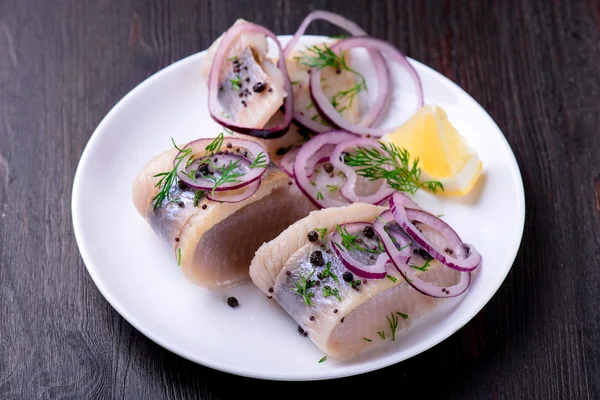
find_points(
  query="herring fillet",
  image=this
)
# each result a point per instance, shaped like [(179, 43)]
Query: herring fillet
[(217, 243), (341, 328)]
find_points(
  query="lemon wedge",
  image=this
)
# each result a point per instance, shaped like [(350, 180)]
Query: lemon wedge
[(443, 154)]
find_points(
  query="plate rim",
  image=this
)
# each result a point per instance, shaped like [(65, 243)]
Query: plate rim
[(232, 369)]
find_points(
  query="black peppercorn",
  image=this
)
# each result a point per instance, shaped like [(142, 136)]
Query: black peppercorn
[(232, 302), (316, 258), (347, 276), (204, 206), (258, 87), (312, 236), (328, 167), (369, 232)]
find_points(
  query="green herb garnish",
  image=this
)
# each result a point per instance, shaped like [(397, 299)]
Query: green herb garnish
[(236, 83), (329, 291), (197, 197), (319, 196), (294, 83), (309, 106), (351, 241), (392, 278), (227, 175), (381, 334), (179, 256), (367, 339), (393, 324), (214, 146), (322, 359), (332, 188), (404, 316), (303, 286), (424, 267), (168, 179), (322, 232), (259, 161), (375, 164), (327, 272), (234, 58)]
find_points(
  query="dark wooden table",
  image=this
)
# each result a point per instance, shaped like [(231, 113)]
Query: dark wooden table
[(534, 65)]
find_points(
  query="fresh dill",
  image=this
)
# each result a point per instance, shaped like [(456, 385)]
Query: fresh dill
[(228, 131), (259, 161), (392, 164), (234, 58), (303, 288), (329, 291), (319, 196), (309, 106), (424, 267), (381, 334), (322, 232), (317, 57), (313, 183), (440, 215), (393, 321), (332, 188), (327, 272), (228, 175), (236, 83), (197, 197), (404, 316), (294, 83), (392, 278), (339, 37), (179, 256), (351, 241), (214, 146), (323, 359), (168, 179), (367, 339)]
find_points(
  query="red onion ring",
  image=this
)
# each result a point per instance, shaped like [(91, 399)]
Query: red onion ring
[(199, 152), (383, 74), (229, 197), (400, 259), (321, 156), (215, 108), (377, 270), (306, 152), (348, 190), (466, 259), (322, 102)]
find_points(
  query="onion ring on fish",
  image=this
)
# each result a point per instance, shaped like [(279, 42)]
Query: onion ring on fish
[(321, 156), (374, 270), (229, 197), (400, 253), (381, 70), (328, 111), (348, 190), (216, 110), (461, 257), (243, 152)]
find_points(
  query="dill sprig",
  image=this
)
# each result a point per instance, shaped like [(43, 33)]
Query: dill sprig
[(179, 256), (393, 324), (403, 176), (168, 179), (424, 267), (317, 57), (329, 291), (322, 232), (236, 83), (332, 188), (259, 161), (319, 196), (197, 197), (323, 359), (404, 316), (303, 286), (327, 272), (392, 278), (381, 334), (367, 339), (227, 175), (216, 144), (351, 241)]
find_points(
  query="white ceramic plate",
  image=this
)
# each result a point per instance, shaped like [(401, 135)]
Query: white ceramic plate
[(137, 274)]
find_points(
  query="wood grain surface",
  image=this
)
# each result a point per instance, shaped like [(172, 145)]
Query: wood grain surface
[(533, 65)]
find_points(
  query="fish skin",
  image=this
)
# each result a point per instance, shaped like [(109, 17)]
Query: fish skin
[(193, 225), (362, 311)]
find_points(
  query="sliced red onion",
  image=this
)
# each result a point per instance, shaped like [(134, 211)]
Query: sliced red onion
[(248, 151), (363, 268), (321, 156), (400, 259), (328, 111), (318, 195), (464, 256), (215, 108), (235, 196), (381, 70), (348, 190)]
